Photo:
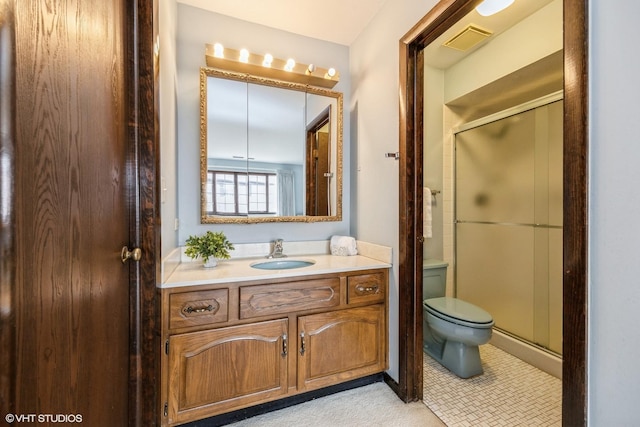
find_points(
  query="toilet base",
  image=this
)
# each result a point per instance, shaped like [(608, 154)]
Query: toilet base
[(461, 359)]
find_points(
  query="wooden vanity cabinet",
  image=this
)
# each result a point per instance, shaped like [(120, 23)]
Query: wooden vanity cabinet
[(338, 346), (217, 370), (233, 345)]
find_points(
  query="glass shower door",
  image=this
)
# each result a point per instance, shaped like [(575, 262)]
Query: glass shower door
[(509, 222)]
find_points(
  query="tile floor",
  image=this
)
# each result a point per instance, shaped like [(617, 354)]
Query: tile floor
[(510, 393)]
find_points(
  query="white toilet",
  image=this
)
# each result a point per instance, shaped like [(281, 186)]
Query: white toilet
[(452, 329)]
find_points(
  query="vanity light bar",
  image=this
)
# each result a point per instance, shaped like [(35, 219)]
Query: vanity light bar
[(267, 66)]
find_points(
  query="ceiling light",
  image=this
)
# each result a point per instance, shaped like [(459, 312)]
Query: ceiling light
[(491, 7)]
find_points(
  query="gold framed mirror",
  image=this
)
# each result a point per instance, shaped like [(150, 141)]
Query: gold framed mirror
[(268, 150)]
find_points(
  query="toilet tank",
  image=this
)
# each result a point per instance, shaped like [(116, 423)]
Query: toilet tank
[(434, 278)]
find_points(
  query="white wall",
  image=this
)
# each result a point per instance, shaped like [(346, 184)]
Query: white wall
[(196, 28), (374, 113), (614, 243), (167, 81), (434, 178)]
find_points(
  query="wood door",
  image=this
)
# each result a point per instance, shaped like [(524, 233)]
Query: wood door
[(68, 181), (215, 371), (341, 345), (318, 160)]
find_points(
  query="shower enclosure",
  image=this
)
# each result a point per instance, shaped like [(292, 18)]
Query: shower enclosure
[(508, 222)]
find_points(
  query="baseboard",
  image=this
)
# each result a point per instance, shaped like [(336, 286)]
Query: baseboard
[(541, 359)]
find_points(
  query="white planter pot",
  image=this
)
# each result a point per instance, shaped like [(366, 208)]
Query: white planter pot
[(211, 263)]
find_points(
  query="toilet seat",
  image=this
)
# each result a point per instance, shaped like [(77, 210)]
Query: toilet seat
[(459, 312)]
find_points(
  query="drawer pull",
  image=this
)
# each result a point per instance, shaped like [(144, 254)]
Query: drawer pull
[(190, 309), (367, 289)]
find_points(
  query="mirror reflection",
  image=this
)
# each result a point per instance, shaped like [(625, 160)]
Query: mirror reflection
[(270, 150)]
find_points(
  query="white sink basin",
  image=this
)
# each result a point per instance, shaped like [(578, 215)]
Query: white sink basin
[(282, 264)]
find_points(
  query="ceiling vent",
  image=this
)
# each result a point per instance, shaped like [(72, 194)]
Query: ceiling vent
[(470, 36)]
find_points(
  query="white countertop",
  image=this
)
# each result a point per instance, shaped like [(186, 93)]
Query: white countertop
[(239, 270)]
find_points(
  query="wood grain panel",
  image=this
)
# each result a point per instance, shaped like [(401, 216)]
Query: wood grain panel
[(368, 288), (264, 300), (198, 308), (72, 291), (356, 337), (213, 371)]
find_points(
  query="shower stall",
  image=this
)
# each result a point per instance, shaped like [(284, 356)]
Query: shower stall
[(508, 222)]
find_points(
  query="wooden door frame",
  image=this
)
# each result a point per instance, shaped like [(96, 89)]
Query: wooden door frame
[(142, 69), (441, 17)]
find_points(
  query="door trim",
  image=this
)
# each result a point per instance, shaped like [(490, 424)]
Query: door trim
[(142, 112), (442, 16)]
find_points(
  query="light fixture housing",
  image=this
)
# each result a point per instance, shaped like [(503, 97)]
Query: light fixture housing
[(491, 7), (270, 67)]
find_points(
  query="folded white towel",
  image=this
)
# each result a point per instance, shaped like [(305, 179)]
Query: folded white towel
[(343, 245), (427, 231)]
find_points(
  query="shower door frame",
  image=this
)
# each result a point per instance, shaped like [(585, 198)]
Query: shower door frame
[(575, 220)]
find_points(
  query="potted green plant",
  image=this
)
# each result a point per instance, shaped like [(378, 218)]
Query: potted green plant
[(210, 247)]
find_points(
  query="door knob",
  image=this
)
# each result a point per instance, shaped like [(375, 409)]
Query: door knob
[(126, 254)]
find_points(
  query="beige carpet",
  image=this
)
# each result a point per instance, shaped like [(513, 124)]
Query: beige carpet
[(372, 405)]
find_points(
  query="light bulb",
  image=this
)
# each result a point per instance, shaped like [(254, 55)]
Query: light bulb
[(268, 59), (244, 55), (218, 50), (331, 73), (290, 64)]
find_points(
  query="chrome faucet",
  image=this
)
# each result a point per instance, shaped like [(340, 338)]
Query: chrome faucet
[(277, 249)]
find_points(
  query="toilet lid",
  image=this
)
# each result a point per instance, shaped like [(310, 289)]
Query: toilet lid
[(458, 310)]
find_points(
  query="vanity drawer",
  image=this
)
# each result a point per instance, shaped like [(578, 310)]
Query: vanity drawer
[(198, 308), (366, 288), (265, 300)]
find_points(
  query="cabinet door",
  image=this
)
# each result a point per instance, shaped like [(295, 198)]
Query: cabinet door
[(341, 345), (214, 371)]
